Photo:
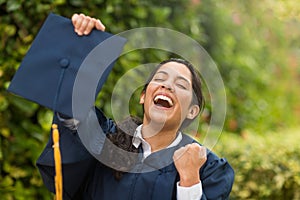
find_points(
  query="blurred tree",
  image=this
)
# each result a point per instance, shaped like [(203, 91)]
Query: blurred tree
[(252, 48)]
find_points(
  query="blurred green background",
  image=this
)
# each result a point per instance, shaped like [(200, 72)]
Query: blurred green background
[(255, 45)]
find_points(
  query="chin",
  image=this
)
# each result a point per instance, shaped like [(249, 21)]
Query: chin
[(162, 121), (158, 118), (161, 117)]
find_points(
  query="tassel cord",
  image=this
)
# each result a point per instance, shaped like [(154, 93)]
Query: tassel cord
[(57, 160)]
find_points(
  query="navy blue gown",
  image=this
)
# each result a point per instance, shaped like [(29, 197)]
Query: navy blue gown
[(86, 178)]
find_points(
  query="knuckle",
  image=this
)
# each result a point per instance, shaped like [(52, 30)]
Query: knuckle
[(196, 146), (74, 16)]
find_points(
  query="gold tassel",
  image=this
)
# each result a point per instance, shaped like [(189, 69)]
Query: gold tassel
[(57, 160)]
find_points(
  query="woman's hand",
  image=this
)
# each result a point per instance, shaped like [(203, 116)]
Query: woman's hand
[(83, 24), (188, 160)]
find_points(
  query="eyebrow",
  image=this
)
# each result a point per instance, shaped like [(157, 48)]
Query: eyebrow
[(179, 77)]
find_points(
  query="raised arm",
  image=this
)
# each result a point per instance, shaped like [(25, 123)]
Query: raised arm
[(188, 160), (216, 175)]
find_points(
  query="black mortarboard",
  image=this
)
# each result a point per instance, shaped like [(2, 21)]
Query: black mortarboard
[(58, 59)]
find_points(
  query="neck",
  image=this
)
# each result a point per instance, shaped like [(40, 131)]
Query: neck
[(158, 137)]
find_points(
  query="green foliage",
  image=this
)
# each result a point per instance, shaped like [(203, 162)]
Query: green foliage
[(266, 167), (252, 48), (255, 48)]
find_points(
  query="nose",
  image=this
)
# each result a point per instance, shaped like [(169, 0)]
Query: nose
[(168, 87)]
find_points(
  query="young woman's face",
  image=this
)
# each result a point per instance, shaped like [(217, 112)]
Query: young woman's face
[(167, 99)]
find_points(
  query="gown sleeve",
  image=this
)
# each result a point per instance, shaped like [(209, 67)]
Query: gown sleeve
[(77, 162), (217, 178)]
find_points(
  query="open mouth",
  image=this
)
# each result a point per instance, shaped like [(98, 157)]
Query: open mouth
[(163, 101)]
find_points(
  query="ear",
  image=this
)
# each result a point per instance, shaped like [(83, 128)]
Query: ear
[(193, 111), (142, 98)]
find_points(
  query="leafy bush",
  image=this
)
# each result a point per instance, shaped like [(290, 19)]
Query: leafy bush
[(266, 166), (24, 126), (256, 55)]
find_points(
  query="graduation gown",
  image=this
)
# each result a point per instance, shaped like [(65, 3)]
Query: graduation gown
[(86, 178)]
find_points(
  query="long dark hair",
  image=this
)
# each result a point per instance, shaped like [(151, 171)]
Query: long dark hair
[(125, 129), (122, 138)]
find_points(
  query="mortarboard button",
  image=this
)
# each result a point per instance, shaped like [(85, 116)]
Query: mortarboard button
[(64, 62), (50, 69)]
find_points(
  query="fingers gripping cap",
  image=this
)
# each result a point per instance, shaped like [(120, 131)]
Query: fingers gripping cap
[(48, 72)]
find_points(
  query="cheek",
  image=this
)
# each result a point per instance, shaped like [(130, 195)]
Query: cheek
[(151, 88), (185, 97), (147, 95), (185, 100)]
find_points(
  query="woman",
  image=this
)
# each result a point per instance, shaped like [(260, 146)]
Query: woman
[(168, 164)]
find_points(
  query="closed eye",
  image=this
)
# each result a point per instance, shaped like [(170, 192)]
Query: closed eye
[(158, 79), (181, 83), (181, 86)]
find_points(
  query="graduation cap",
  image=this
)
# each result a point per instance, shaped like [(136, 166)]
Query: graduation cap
[(63, 71)]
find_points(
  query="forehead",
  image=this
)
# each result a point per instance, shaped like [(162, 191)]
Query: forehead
[(176, 69)]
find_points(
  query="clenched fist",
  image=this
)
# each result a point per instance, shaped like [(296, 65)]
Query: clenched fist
[(188, 161)]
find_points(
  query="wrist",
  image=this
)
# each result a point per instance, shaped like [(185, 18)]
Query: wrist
[(188, 181)]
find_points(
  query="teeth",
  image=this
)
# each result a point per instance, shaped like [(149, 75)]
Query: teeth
[(162, 97)]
